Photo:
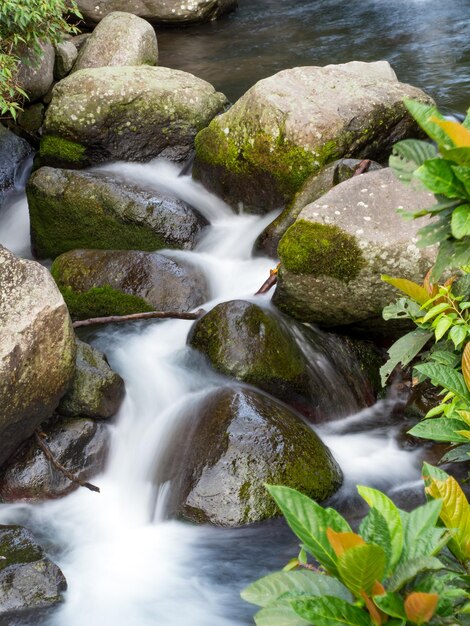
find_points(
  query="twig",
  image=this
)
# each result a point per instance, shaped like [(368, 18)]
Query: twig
[(269, 282), (118, 319), (362, 167), (48, 454)]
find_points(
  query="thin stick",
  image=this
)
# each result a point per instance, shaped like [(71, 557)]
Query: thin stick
[(362, 167), (60, 468), (269, 282), (118, 319)]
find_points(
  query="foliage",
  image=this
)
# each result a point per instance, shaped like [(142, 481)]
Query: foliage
[(444, 169), (387, 571), (24, 24)]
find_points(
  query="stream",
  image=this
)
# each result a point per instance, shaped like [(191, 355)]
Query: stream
[(127, 564)]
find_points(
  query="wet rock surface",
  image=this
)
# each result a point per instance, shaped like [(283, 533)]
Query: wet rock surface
[(13, 151)]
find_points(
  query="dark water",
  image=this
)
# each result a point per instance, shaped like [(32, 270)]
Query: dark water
[(426, 41)]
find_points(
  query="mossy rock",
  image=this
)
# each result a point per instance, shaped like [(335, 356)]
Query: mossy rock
[(233, 442), (289, 126)]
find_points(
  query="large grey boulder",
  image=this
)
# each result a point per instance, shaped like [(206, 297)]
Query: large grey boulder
[(119, 282), (290, 125), (13, 151), (37, 349), (159, 11), (334, 254), (65, 56), (119, 39), (96, 390), (30, 584), (131, 113), (231, 444), (79, 445), (70, 210), (36, 71)]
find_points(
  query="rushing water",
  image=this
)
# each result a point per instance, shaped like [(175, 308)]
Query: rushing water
[(126, 564)]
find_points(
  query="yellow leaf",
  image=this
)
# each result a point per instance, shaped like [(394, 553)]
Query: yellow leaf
[(458, 133), (341, 542), (466, 364), (463, 433), (465, 415), (420, 606), (413, 290)]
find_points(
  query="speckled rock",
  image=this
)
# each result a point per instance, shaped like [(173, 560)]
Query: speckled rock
[(80, 445), (13, 151), (119, 39), (159, 11), (131, 113), (313, 188), (30, 584), (65, 56), (290, 125), (70, 210), (334, 254), (112, 282), (37, 349), (96, 390), (230, 445), (36, 73)]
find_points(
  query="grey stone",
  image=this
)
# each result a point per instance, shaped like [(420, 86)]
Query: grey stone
[(36, 72), (32, 117), (65, 56), (13, 151)]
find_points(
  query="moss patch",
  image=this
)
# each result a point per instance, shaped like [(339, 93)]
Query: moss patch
[(57, 149), (102, 301), (320, 250)]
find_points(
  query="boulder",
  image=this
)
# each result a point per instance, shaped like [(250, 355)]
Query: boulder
[(230, 445), (65, 56), (118, 282), (158, 11), (80, 445), (13, 151), (289, 126), (31, 118), (334, 254), (119, 39), (130, 113), (30, 584), (313, 188), (37, 349), (96, 390), (70, 210), (36, 71)]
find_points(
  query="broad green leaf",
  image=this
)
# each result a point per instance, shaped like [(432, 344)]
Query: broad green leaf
[(423, 113), (435, 232), (440, 429), (391, 604), (458, 334), (374, 529), (303, 582), (403, 308), (421, 536), (463, 174), (451, 254), (458, 155), (391, 514), (309, 522), (279, 614), (412, 290), (445, 357), (435, 310), (438, 176), (408, 570), (330, 611), (408, 155), (442, 326), (360, 567), (404, 351), (445, 377), (460, 222), (459, 454), (420, 607)]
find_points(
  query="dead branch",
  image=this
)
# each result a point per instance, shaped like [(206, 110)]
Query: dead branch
[(118, 319), (362, 167), (269, 282), (60, 468)]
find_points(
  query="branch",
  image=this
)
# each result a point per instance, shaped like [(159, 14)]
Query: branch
[(48, 454), (362, 167), (269, 282), (117, 319)]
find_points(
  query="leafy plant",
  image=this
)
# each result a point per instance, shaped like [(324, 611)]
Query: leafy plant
[(24, 24), (387, 571)]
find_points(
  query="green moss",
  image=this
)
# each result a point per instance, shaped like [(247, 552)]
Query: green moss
[(102, 301), (320, 250), (57, 149), (16, 548)]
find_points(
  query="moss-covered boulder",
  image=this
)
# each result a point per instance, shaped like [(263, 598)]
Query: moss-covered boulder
[(70, 210), (230, 445), (289, 126), (79, 445), (131, 113), (159, 11), (30, 584), (119, 282), (96, 390), (334, 254), (313, 188), (37, 349), (119, 39)]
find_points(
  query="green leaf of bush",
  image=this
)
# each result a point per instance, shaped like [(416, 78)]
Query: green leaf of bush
[(440, 429), (446, 377), (460, 222), (329, 611)]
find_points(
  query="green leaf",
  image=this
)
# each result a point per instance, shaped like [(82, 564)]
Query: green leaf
[(435, 232), (439, 308), (423, 113), (412, 290), (408, 155), (445, 357), (458, 155), (309, 522), (402, 309), (374, 529), (457, 455), (463, 174), (391, 604), (439, 429), (446, 377), (458, 334), (408, 570), (404, 350), (421, 536), (328, 611), (391, 514), (460, 223), (438, 176), (442, 326), (279, 614), (360, 567)]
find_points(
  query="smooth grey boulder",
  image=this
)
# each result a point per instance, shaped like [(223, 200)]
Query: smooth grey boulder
[(126, 113), (334, 254), (118, 282), (36, 71), (234, 442), (30, 584), (79, 445), (13, 151), (291, 125), (159, 11), (119, 39), (65, 56), (72, 210), (37, 349), (96, 391)]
